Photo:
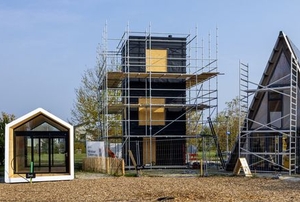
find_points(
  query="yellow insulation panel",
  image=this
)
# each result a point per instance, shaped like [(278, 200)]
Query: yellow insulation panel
[(156, 60), (157, 115)]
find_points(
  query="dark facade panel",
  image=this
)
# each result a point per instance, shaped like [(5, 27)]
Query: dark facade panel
[(134, 53), (173, 91)]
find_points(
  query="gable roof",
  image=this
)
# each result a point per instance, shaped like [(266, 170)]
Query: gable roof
[(283, 46), (38, 117)]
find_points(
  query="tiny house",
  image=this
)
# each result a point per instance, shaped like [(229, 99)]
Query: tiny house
[(38, 147)]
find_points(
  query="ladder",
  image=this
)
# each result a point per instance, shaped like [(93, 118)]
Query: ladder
[(243, 104), (293, 116)]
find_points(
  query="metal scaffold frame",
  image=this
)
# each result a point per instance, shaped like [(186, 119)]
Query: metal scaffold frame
[(200, 95), (270, 155)]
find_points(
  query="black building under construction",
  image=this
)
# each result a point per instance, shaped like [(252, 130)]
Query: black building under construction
[(156, 94)]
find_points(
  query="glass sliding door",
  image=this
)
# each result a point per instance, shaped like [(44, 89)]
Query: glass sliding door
[(47, 150), (41, 154), (59, 155)]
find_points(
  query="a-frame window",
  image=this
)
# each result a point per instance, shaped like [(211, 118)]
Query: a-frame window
[(275, 109)]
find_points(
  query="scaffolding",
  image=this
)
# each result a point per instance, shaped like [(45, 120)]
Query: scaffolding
[(268, 132), (155, 91)]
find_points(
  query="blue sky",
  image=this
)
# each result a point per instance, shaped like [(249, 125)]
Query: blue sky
[(45, 46)]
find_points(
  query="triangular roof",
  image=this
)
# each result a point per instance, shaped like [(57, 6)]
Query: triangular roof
[(283, 46), (38, 117)]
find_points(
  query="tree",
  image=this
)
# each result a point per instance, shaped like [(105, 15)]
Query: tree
[(195, 128), (4, 119), (86, 109), (228, 119)]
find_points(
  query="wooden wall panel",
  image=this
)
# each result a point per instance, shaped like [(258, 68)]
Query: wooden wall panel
[(156, 60)]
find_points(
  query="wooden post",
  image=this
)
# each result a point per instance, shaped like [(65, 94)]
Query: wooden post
[(201, 168), (123, 167), (107, 165), (133, 162)]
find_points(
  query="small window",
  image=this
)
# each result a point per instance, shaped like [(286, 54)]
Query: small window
[(156, 60)]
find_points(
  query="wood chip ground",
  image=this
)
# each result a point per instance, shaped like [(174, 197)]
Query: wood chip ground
[(145, 188)]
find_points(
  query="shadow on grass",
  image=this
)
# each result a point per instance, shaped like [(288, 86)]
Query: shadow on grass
[(2, 174), (78, 166), (2, 170), (78, 158)]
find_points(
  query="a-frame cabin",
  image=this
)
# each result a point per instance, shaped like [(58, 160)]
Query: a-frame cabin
[(269, 136)]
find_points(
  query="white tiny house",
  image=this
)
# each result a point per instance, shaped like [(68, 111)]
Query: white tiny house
[(38, 147)]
